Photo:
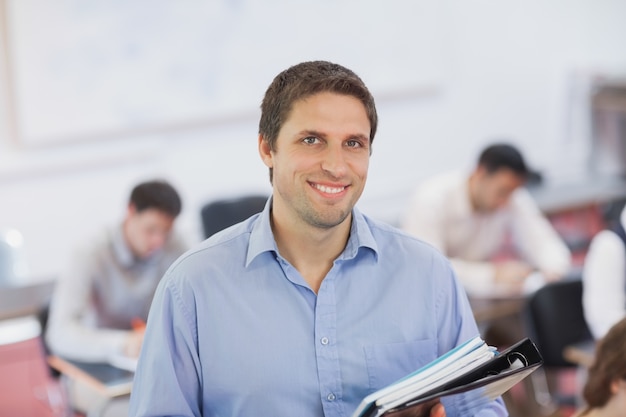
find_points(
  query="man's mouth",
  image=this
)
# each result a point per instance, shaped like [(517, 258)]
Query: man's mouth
[(328, 190)]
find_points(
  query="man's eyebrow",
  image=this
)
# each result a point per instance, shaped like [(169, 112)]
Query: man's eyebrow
[(317, 133), (360, 136), (307, 132)]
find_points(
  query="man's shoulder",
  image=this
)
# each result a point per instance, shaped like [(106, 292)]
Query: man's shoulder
[(224, 246), (98, 242), (390, 238)]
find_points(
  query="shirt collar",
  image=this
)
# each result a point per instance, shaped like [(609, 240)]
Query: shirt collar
[(122, 251), (262, 238)]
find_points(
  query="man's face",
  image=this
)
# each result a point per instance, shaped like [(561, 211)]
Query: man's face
[(320, 160), (146, 231), (493, 191)]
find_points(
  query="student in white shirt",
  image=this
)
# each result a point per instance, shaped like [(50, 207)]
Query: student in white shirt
[(604, 279), (472, 216)]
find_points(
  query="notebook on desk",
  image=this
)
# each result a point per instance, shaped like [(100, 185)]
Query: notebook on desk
[(106, 378)]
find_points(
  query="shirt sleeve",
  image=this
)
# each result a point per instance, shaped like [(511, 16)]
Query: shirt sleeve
[(604, 289), (167, 381), (535, 237), (67, 333), (425, 220)]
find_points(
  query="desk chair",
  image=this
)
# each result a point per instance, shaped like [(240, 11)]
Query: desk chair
[(554, 318), (220, 214)]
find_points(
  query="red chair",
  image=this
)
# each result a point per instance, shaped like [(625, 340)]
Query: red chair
[(26, 384)]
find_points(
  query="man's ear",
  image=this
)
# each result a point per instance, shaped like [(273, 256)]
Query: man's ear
[(481, 171), (615, 385), (132, 210), (265, 152)]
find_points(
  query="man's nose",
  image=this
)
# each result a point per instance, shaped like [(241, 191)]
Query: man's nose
[(334, 161), (158, 240)]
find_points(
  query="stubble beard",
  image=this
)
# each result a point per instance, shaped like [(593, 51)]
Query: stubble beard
[(324, 217)]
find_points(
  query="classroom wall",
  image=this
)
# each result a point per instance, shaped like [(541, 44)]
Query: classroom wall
[(495, 69)]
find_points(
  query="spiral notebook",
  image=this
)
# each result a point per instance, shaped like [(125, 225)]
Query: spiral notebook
[(473, 369)]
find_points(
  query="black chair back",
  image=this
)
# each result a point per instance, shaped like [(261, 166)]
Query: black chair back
[(220, 214), (555, 320)]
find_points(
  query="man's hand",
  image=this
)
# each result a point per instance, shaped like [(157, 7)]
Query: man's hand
[(438, 411), (429, 409)]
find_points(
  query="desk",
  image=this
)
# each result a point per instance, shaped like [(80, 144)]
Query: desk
[(106, 379), (582, 353), (110, 382), (25, 300), (557, 197), (580, 209), (487, 309)]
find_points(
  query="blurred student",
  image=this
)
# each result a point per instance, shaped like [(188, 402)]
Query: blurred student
[(100, 305), (471, 216), (605, 390), (309, 306), (604, 278)]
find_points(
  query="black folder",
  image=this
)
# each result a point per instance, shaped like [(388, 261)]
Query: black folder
[(482, 384)]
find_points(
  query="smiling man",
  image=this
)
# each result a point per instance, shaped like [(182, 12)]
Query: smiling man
[(309, 306)]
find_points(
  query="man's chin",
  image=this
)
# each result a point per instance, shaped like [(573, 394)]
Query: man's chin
[(328, 222), (145, 255)]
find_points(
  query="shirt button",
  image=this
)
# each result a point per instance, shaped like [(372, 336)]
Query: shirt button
[(324, 341), (331, 397)]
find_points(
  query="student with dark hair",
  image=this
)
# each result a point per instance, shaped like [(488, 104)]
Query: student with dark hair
[(471, 216), (605, 390), (309, 306), (108, 287)]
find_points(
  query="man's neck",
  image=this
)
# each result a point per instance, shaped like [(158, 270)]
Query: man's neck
[(311, 250)]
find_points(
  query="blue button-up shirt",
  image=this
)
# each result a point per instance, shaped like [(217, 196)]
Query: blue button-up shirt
[(234, 329)]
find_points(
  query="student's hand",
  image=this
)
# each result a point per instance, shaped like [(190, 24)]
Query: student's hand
[(551, 276), (511, 274), (135, 339)]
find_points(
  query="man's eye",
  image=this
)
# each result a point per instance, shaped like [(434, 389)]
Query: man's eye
[(310, 140), (354, 144)]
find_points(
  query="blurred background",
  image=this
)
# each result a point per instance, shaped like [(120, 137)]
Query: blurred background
[(97, 95)]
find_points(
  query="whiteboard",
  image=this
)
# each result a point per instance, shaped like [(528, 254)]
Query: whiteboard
[(99, 68)]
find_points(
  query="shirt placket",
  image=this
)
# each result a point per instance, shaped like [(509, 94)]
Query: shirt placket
[(326, 347)]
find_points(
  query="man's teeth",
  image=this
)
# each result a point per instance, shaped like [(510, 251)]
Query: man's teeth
[(329, 190)]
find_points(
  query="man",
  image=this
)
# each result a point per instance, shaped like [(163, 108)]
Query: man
[(307, 307), (99, 305), (472, 218)]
